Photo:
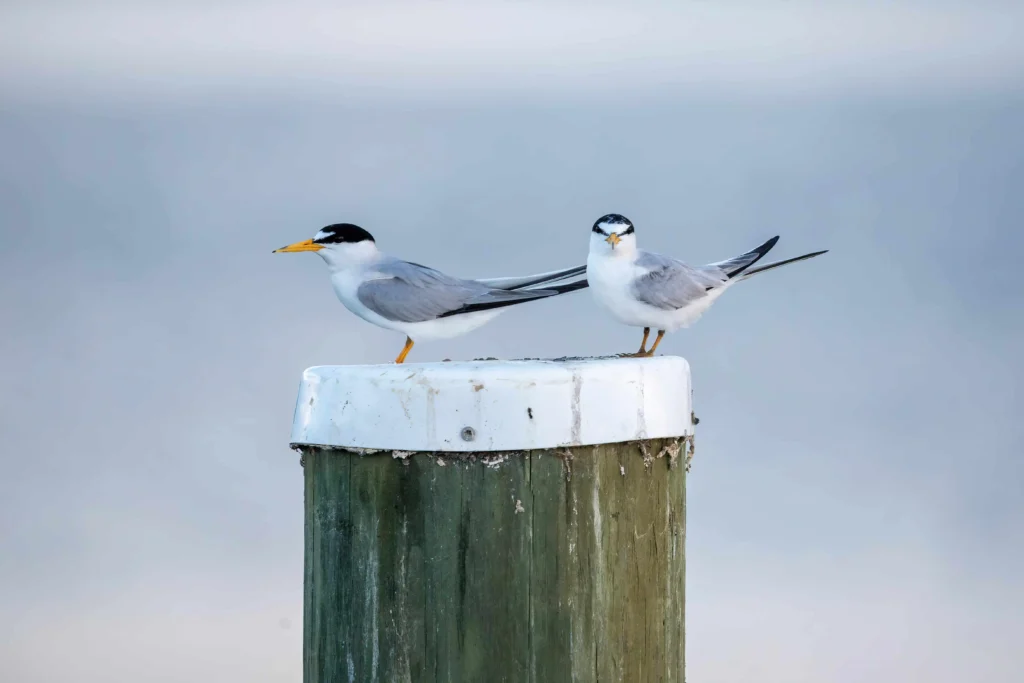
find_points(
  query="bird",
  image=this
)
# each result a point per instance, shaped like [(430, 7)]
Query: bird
[(643, 289), (423, 303)]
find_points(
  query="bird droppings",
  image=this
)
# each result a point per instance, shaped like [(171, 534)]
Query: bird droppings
[(562, 359), (494, 461), (529, 413), (363, 451), (577, 413), (646, 452), (566, 457), (519, 507), (311, 398), (571, 359), (672, 451), (478, 387), (694, 420), (693, 449)]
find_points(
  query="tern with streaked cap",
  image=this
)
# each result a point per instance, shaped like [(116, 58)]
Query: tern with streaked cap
[(643, 289), (420, 302)]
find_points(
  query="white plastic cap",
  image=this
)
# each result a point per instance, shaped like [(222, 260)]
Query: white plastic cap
[(493, 405)]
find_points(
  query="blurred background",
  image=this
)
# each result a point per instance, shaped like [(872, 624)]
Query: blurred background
[(856, 507)]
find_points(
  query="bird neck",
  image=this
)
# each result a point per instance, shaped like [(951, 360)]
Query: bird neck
[(622, 252), (350, 256)]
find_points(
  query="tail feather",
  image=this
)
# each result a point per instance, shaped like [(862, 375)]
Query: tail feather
[(776, 264)]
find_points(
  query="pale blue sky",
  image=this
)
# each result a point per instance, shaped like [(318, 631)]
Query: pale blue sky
[(856, 502)]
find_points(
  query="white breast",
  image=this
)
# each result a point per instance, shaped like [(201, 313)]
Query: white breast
[(611, 283)]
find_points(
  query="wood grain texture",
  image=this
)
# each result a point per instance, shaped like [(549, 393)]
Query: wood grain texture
[(540, 566)]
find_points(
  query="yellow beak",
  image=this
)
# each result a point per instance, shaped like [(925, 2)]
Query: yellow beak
[(305, 245), (613, 239)]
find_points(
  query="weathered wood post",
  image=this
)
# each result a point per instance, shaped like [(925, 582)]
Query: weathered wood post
[(495, 521)]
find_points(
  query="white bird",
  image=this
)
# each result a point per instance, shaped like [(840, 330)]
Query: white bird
[(420, 302), (643, 289)]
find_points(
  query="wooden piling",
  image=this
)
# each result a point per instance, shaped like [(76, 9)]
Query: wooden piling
[(559, 560)]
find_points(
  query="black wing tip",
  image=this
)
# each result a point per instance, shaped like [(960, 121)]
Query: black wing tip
[(766, 247), (545, 293), (567, 273), (569, 287), (760, 251)]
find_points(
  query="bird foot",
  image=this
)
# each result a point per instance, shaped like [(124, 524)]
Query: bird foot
[(638, 354)]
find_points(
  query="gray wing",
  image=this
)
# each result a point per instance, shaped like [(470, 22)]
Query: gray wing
[(411, 293), (669, 284)]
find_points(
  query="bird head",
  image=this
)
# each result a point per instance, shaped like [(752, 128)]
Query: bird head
[(613, 234), (340, 245)]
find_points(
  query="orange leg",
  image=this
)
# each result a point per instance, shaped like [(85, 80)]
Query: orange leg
[(643, 347), (643, 344), (405, 351), (657, 340)]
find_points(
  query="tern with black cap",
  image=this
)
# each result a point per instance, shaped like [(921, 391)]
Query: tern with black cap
[(421, 302), (648, 290)]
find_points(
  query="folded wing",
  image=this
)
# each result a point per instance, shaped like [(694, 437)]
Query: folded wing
[(670, 284), (409, 292)]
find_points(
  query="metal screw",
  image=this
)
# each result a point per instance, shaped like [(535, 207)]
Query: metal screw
[(468, 433)]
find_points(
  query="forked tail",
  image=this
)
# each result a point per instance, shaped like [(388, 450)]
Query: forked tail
[(776, 264)]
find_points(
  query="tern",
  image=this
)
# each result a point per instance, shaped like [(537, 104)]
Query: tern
[(422, 303), (643, 289)]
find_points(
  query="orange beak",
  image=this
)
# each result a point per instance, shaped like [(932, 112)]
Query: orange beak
[(305, 245), (613, 239)]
